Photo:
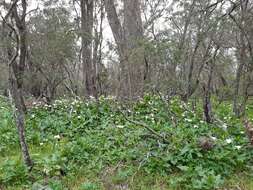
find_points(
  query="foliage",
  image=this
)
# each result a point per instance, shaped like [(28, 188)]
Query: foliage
[(70, 137)]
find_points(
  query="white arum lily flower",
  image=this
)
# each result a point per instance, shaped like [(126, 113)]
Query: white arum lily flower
[(224, 126), (41, 144), (120, 126), (79, 117), (57, 137), (228, 141), (195, 126), (188, 120), (238, 147)]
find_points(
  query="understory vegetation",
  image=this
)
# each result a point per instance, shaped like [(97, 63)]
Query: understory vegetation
[(153, 143)]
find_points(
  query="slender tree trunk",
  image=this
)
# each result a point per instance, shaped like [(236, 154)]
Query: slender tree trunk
[(239, 72), (207, 105), (16, 93), (16, 72)]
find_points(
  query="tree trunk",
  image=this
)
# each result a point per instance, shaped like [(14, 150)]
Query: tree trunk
[(207, 105), (16, 71), (128, 37), (133, 31), (17, 97), (239, 72), (87, 8)]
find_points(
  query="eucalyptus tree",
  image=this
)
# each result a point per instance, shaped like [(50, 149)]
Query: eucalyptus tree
[(128, 35), (87, 23), (15, 20)]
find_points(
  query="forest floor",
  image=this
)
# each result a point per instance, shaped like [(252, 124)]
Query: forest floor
[(151, 144)]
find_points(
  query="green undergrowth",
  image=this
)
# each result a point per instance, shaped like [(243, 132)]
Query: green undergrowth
[(90, 145)]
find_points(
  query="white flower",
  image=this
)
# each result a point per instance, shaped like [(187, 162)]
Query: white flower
[(32, 116), (242, 132), (120, 126), (224, 126), (41, 144), (238, 147), (195, 126), (79, 117), (57, 137), (202, 121), (188, 120), (228, 141), (110, 97), (92, 97), (214, 138), (45, 170)]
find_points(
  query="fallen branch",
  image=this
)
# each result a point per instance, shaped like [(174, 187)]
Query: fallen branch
[(146, 127)]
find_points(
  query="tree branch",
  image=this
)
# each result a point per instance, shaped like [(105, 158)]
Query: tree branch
[(146, 127)]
